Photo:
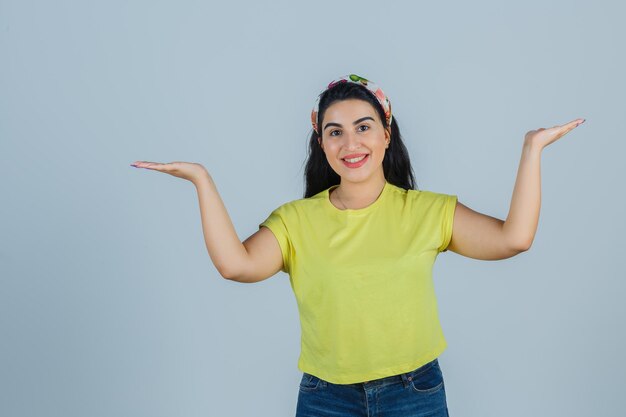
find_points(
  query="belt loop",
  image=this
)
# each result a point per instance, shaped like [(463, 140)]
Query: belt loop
[(405, 379)]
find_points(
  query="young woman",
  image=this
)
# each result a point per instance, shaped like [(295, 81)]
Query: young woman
[(359, 249)]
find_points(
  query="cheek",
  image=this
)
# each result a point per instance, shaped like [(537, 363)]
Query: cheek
[(330, 149)]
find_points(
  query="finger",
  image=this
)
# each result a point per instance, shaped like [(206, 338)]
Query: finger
[(138, 163), (146, 164), (574, 123), (562, 129), (154, 165)]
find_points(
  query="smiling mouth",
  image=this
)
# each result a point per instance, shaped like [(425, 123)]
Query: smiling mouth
[(356, 164), (361, 156)]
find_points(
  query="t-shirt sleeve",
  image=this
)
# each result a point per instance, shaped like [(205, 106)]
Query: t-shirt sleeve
[(449, 206), (277, 223)]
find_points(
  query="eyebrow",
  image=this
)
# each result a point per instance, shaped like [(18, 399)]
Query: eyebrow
[(354, 123)]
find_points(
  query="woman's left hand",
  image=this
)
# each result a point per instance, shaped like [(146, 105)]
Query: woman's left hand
[(543, 137)]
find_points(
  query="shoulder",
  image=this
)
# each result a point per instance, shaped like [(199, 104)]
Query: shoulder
[(426, 200), (298, 206), (420, 196), (432, 195)]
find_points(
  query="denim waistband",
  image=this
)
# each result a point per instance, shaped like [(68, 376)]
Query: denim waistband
[(404, 377)]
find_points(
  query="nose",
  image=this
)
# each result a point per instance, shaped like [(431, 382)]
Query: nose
[(352, 141)]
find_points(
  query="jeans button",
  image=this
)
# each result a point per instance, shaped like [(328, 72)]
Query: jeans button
[(410, 378)]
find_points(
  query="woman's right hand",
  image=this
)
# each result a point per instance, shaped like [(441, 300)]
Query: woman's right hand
[(187, 170)]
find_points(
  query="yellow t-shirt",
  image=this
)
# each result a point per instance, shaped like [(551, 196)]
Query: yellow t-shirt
[(363, 281)]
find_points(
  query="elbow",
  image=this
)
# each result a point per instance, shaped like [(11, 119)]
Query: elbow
[(506, 253), (228, 274), (517, 244), (522, 246)]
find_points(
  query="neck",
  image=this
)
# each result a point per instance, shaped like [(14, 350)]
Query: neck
[(361, 194)]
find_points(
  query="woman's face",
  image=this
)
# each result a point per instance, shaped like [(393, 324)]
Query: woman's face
[(350, 129)]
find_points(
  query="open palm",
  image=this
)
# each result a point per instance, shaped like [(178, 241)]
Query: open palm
[(542, 137), (187, 170)]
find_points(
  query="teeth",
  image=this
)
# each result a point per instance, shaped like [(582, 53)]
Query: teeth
[(353, 160)]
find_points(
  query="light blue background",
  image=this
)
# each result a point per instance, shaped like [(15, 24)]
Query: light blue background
[(109, 302)]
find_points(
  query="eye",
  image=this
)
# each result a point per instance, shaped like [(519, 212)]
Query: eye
[(333, 131)]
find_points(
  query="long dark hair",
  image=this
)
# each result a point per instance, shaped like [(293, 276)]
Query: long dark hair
[(318, 173)]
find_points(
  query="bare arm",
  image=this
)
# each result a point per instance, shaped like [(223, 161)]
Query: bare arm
[(257, 258), (521, 224), (221, 240), (479, 236)]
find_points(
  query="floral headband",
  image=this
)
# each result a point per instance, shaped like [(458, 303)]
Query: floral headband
[(353, 78)]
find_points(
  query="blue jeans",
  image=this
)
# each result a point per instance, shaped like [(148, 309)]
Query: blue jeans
[(420, 392)]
